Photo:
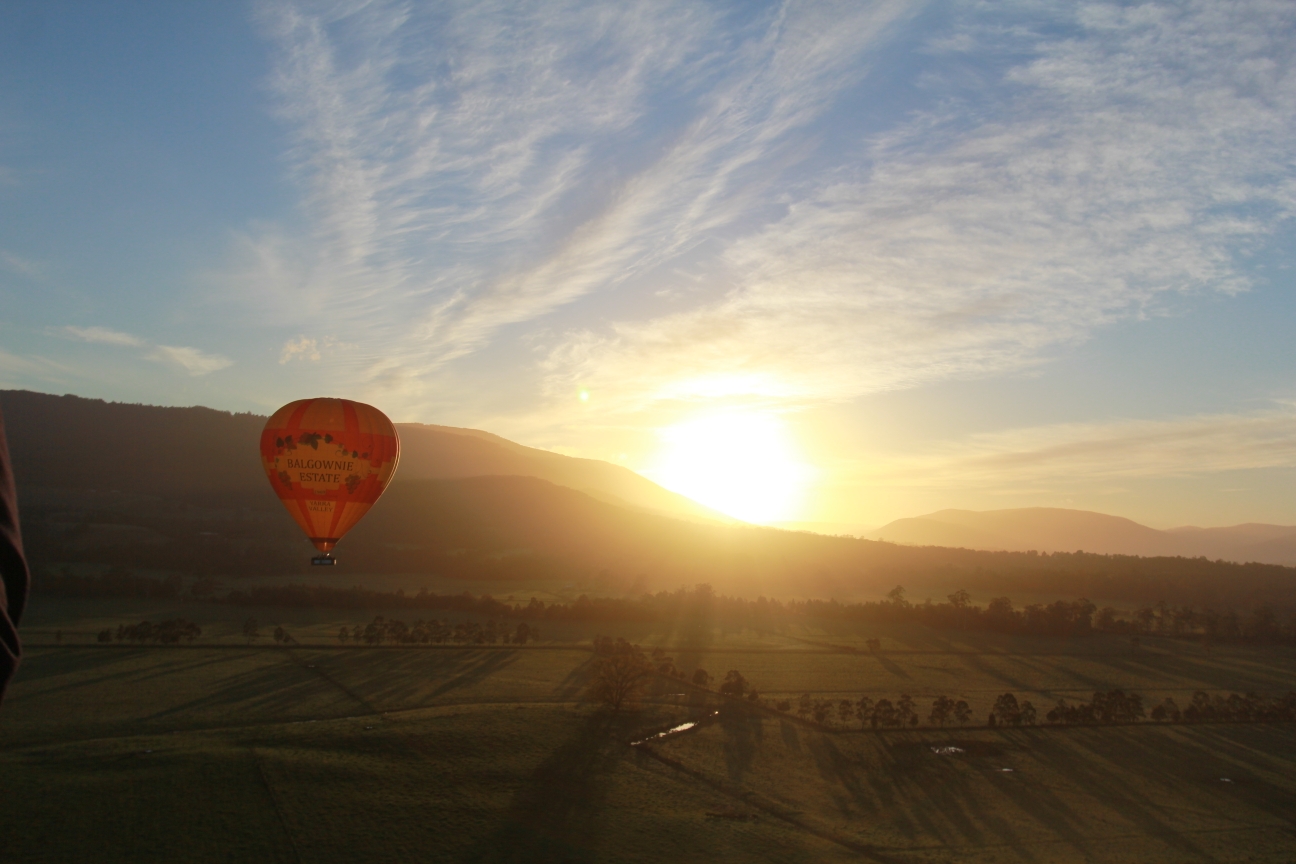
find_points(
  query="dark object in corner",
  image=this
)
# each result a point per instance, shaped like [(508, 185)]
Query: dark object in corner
[(324, 561), (13, 569)]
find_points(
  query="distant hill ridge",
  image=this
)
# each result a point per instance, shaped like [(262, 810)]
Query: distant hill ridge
[(143, 449), (180, 490), (1056, 529)]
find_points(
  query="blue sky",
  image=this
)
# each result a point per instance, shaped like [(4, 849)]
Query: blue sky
[(959, 254)]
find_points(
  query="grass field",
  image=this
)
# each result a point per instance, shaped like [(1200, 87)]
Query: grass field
[(227, 752)]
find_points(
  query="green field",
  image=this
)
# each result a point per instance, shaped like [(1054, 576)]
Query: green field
[(228, 752)]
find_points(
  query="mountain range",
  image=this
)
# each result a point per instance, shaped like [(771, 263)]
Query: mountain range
[(1053, 529), (181, 491)]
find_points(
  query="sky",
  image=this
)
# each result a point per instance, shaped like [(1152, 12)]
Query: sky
[(816, 264)]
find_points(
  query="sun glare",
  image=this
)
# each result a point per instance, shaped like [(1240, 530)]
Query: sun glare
[(742, 464)]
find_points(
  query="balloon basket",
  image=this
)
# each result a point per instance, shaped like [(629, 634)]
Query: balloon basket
[(324, 561)]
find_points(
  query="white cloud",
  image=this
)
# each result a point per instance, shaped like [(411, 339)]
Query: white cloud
[(102, 336), (300, 348), (191, 360), (1130, 161)]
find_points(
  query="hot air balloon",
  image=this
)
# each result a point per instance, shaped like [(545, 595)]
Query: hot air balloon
[(328, 460)]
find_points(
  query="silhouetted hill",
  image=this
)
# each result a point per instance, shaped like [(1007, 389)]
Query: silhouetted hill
[(1049, 529), (429, 452), (68, 442), (179, 490)]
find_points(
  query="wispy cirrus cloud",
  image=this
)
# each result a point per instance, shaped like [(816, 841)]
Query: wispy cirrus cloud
[(470, 166), (18, 264), (101, 336), (190, 360), (18, 369), (1136, 156)]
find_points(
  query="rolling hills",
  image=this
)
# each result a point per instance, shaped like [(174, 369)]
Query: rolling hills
[(180, 491), (1050, 529), (71, 442)]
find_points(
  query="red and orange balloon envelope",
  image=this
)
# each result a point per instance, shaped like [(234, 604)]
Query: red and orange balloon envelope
[(329, 460)]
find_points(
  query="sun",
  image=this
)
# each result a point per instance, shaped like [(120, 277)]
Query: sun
[(743, 464)]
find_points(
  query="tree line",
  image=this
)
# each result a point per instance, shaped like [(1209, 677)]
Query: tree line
[(391, 630), (169, 632), (625, 672), (1263, 624)]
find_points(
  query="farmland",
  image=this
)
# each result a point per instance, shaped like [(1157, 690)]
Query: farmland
[(313, 751)]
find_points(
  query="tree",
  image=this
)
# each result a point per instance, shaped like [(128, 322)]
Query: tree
[(906, 711), (665, 664), (845, 711), (962, 713), (1027, 713), (884, 714), (960, 599), (279, 634), (250, 630), (522, 634), (1006, 710), (701, 678), (621, 681), (821, 710), (864, 710), (942, 709), (344, 635), (897, 596), (734, 684), (1166, 712), (1000, 615)]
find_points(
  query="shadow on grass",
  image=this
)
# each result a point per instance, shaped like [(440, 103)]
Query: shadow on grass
[(891, 666), (558, 811), (743, 732)]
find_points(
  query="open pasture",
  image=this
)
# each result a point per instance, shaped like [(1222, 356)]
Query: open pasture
[(316, 752), (1169, 793)]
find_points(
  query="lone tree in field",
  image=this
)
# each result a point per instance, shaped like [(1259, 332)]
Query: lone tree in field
[(734, 685), (621, 681)]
